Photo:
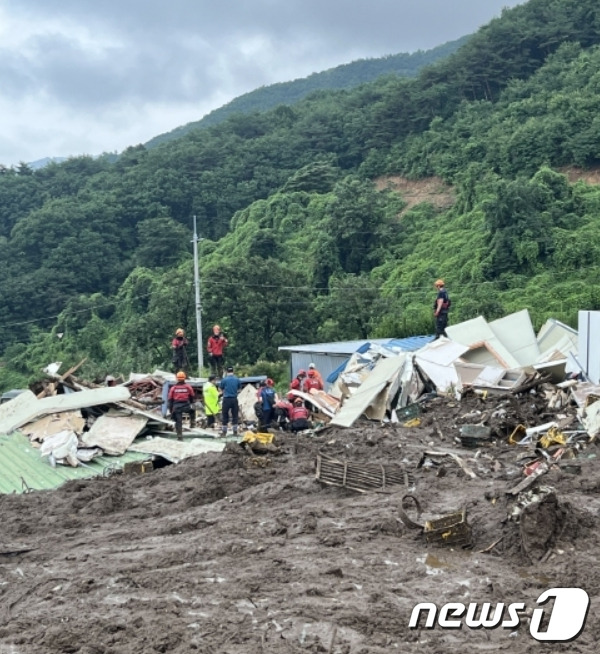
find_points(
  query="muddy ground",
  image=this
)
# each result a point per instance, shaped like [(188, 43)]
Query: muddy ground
[(239, 554)]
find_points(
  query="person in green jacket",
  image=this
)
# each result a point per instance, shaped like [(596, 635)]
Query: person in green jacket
[(210, 395)]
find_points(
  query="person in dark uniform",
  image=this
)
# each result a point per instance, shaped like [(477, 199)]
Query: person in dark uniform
[(441, 306), (230, 386), (267, 397), (178, 345)]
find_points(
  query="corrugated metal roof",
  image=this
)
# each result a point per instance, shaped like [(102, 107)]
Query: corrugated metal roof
[(409, 344), (22, 467)]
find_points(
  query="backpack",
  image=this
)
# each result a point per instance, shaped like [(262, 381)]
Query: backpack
[(258, 410)]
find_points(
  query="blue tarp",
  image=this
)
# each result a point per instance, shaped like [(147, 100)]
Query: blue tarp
[(410, 344)]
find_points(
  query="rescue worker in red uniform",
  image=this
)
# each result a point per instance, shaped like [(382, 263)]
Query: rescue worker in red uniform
[(217, 342), (296, 383), (181, 400), (282, 413), (299, 416), (312, 381)]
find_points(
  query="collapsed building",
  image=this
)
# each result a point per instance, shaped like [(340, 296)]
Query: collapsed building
[(69, 428)]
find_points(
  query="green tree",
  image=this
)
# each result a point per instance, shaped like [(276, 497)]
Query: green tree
[(262, 304), (349, 310), (162, 242)]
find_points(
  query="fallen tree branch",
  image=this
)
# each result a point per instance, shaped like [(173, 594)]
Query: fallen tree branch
[(491, 547)]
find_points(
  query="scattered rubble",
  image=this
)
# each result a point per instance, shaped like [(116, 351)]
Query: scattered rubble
[(237, 552), (283, 542), (74, 422)]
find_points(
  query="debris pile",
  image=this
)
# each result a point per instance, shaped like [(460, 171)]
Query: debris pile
[(503, 356), (441, 478), (244, 552), (74, 423)]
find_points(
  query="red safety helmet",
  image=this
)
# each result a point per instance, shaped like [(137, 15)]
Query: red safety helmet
[(270, 382), (301, 373)]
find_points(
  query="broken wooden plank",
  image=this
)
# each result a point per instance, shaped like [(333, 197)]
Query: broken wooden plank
[(73, 369), (531, 383), (529, 481)]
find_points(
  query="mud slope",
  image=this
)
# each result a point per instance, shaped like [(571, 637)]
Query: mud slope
[(234, 554)]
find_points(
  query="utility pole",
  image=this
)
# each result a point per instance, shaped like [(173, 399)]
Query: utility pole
[(198, 304)]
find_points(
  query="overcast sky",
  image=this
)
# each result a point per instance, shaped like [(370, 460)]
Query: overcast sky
[(82, 77)]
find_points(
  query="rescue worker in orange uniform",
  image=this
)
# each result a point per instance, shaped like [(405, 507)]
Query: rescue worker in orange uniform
[(311, 366)]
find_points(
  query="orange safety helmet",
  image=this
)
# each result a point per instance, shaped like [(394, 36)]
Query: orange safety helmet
[(180, 375), (439, 282), (179, 332)]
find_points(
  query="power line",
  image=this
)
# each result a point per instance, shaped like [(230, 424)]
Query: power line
[(405, 292)]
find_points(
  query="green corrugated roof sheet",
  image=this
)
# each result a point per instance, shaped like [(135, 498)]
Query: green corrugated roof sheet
[(22, 467)]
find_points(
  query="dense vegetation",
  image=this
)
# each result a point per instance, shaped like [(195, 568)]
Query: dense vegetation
[(298, 245), (346, 76)]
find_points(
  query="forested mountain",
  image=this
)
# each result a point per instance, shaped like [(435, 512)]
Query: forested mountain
[(346, 76), (298, 243)]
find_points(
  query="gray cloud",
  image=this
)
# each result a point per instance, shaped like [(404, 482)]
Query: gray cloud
[(117, 62)]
